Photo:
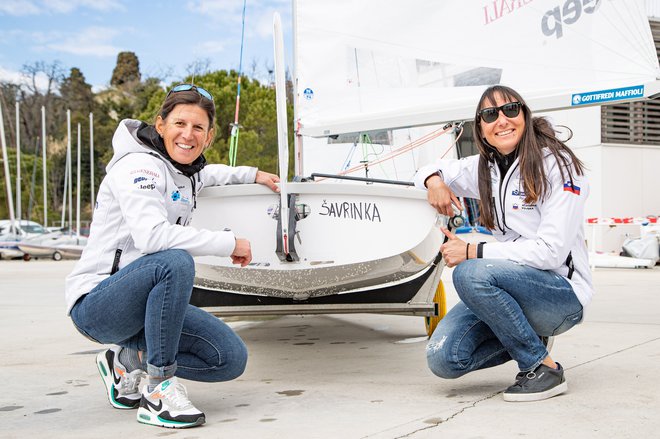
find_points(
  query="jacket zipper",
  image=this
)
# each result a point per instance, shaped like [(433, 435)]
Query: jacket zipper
[(194, 192), (503, 197)]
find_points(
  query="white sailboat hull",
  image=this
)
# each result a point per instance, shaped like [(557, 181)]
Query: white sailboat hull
[(9, 249), (600, 260), (58, 247), (354, 238), (70, 251), (36, 250)]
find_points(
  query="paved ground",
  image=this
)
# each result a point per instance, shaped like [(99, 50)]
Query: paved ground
[(338, 376)]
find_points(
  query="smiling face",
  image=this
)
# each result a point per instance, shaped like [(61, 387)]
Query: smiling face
[(185, 132), (505, 133)]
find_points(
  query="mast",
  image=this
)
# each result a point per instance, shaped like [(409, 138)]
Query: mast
[(32, 181), (70, 173), (5, 160), (91, 158), (233, 141), (78, 187), (67, 167), (18, 164), (297, 138), (285, 246), (43, 162)]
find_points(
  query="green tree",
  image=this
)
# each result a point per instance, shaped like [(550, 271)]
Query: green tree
[(77, 93), (127, 71)]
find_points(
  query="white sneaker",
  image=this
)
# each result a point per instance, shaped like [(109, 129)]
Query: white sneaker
[(168, 406), (122, 386)]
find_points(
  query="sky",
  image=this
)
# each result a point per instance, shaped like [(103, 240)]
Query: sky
[(169, 37)]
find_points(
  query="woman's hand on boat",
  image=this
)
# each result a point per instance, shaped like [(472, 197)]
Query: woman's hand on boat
[(242, 254), (268, 179), (454, 250), (441, 197)]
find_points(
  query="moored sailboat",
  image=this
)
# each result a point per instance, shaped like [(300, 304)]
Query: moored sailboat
[(384, 77)]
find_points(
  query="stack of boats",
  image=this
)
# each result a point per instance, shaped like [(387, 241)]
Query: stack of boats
[(54, 245), (37, 242)]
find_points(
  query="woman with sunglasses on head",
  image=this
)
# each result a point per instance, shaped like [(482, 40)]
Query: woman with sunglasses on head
[(533, 282), (133, 283)]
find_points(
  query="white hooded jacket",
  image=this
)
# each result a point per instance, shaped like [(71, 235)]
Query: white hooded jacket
[(143, 206), (542, 234)]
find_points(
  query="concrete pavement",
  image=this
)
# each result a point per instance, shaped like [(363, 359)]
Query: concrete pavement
[(339, 376)]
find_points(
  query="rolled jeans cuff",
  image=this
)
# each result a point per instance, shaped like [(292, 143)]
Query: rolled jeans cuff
[(161, 371)]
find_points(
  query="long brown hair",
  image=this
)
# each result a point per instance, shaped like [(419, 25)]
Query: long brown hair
[(538, 135)]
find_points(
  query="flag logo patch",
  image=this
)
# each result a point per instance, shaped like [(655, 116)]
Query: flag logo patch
[(569, 186)]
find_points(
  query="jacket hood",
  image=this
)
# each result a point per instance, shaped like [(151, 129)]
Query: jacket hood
[(134, 136)]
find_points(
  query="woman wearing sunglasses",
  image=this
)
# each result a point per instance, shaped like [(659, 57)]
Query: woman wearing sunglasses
[(133, 283), (532, 282)]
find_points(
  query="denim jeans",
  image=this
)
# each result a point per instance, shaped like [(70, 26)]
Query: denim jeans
[(505, 306), (145, 306)]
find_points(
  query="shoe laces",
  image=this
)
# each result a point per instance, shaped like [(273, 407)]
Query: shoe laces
[(177, 395), (130, 382)]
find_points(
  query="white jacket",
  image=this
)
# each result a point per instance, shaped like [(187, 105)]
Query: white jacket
[(143, 206), (541, 234)]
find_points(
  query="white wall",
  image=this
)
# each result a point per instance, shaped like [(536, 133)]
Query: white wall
[(584, 122), (650, 170)]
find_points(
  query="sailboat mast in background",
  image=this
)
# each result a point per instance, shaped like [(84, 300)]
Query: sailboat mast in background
[(43, 163), (5, 160), (18, 163)]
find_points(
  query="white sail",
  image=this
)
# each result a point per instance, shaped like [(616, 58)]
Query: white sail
[(386, 64)]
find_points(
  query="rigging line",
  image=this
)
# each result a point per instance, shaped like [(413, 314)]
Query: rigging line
[(646, 33), (412, 156), (402, 150), (347, 161), (638, 34), (412, 145), (389, 156), (366, 152), (453, 143), (634, 36), (233, 142), (624, 36), (406, 148), (613, 25)]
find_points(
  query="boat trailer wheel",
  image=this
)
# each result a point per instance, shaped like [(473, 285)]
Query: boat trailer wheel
[(440, 300)]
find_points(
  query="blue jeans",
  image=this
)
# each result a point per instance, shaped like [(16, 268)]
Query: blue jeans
[(145, 306), (505, 306)]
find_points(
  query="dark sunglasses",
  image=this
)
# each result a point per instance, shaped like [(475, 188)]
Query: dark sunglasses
[(510, 110), (187, 87)]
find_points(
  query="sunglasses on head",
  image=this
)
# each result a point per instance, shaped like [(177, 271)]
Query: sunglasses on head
[(490, 114), (187, 87)]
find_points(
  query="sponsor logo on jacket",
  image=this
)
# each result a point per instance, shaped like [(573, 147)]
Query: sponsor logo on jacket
[(177, 197), (139, 182), (146, 172), (524, 206)]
